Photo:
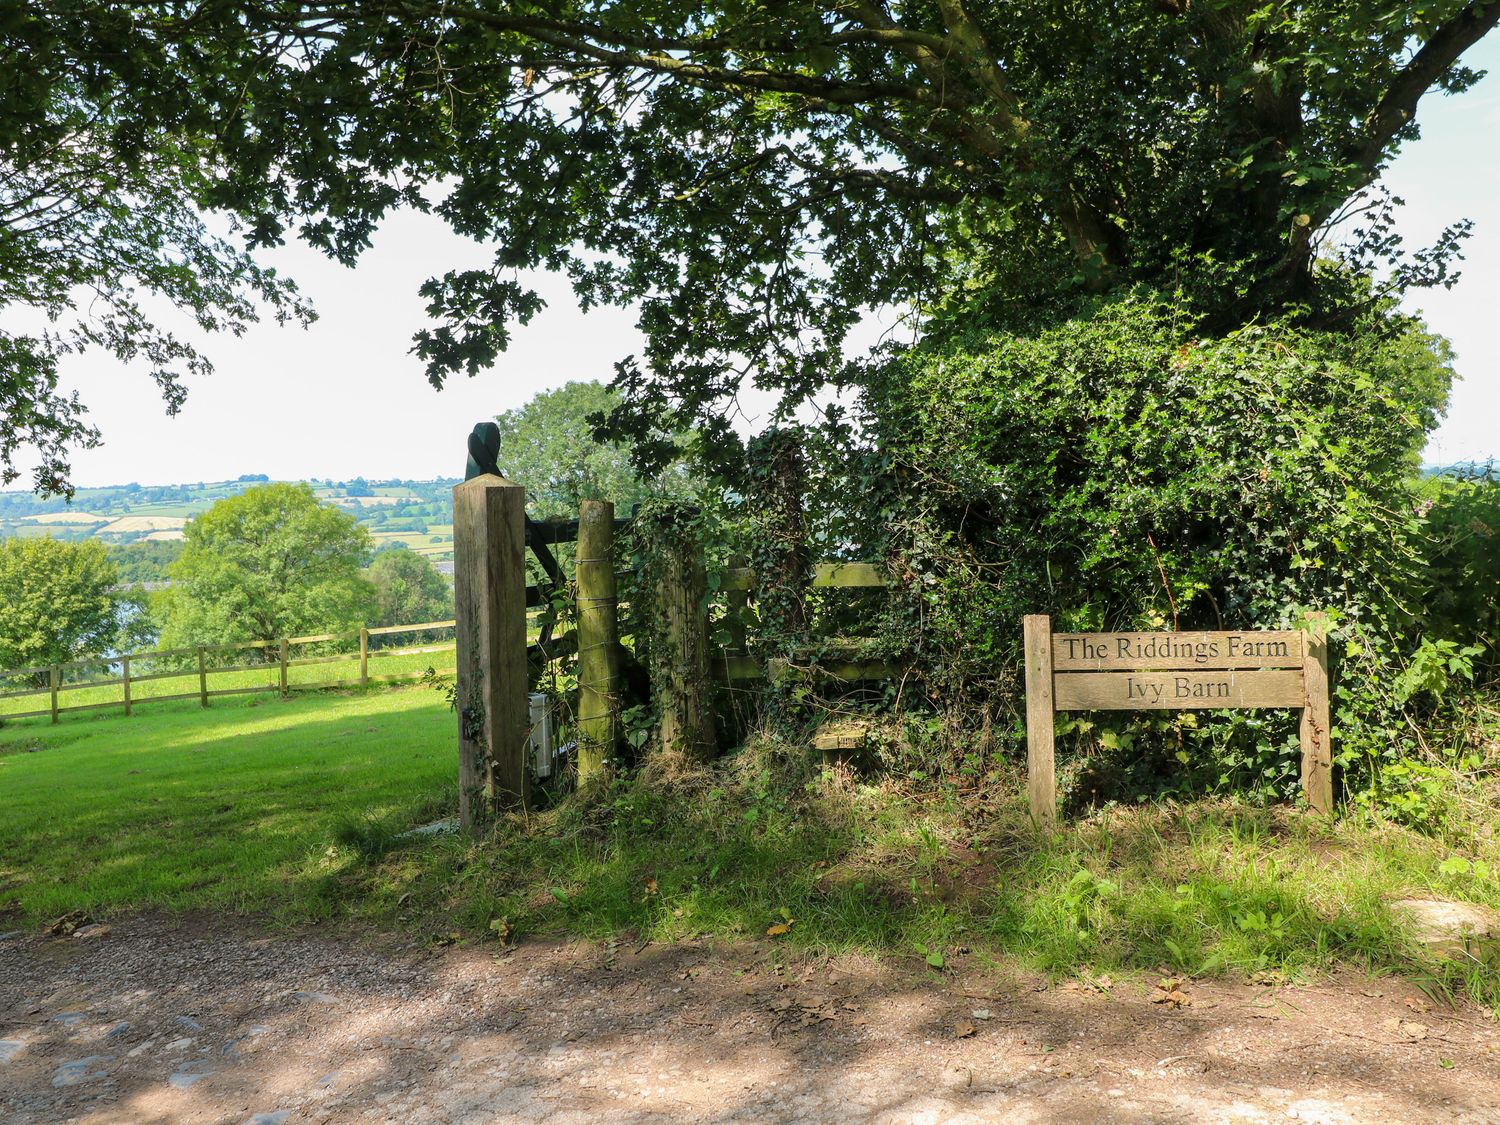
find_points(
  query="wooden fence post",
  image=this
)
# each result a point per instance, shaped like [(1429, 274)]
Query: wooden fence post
[(54, 675), (598, 640), (778, 481), (1317, 752), (125, 680), (489, 586), (679, 663), (285, 646), (202, 676), (1041, 768), (364, 656)]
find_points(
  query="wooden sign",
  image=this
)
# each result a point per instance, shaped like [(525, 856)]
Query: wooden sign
[(1174, 672)]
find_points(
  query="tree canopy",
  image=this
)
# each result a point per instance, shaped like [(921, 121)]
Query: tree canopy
[(755, 177), (408, 589), (550, 445), (271, 562), (56, 601)]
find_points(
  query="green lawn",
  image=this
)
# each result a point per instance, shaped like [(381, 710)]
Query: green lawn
[(295, 809), (233, 808)]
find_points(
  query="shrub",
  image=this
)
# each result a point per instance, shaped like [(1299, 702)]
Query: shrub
[(1118, 471)]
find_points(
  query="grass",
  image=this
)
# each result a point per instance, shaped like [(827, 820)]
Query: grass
[(298, 808), (234, 808)]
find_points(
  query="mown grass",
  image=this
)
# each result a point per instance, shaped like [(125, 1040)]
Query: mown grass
[(298, 808), (233, 808)]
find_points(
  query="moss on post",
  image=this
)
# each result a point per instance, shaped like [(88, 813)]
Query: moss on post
[(678, 648), (598, 641)]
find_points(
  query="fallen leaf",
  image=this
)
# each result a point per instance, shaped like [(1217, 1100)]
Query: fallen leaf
[(963, 1029), (1417, 1005), (651, 886), (981, 1013), (778, 929), (1405, 1029), (502, 928), (1446, 1064)]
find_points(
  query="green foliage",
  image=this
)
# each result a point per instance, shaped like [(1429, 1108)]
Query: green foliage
[(104, 164), (144, 561), (1462, 548), (550, 445), (1119, 471), (408, 589), (56, 602), (271, 562), (751, 178)]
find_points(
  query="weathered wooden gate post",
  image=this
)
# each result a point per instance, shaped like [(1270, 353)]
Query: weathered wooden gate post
[(678, 653), (598, 640), (489, 586)]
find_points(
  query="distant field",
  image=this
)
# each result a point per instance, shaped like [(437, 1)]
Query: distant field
[(127, 524), (150, 512), (68, 518)]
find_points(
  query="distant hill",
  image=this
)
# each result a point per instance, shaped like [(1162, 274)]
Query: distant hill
[(417, 514)]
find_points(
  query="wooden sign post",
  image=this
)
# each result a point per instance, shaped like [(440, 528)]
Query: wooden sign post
[(1174, 671)]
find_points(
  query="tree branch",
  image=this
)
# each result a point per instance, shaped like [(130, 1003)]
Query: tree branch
[(1397, 108)]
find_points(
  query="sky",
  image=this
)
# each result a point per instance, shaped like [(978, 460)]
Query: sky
[(345, 397)]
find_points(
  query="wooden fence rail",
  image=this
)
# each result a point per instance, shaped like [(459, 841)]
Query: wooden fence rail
[(276, 667)]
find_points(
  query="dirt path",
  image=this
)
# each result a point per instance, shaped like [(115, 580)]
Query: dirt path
[(205, 1021)]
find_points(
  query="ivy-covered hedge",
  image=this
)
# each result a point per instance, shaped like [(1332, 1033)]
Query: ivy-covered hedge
[(1118, 472)]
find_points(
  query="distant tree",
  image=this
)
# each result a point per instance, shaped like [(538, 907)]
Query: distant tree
[(146, 561), (408, 589), (268, 563), (56, 601), (549, 446)]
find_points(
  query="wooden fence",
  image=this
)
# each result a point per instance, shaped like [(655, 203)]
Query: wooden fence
[(204, 662)]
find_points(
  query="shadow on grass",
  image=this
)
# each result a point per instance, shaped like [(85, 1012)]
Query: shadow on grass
[(1208, 888)]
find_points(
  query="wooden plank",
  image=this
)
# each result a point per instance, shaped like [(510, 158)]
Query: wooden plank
[(1317, 749), (364, 656), (125, 681), (489, 582), (825, 574), (178, 674), (598, 641), (850, 671), (90, 706), (54, 675), (1041, 767), (1120, 652), (14, 672), (737, 578), (387, 630), (1176, 691), (285, 644), (735, 666), (20, 694), (25, 714), (847, 574), (202, 678), (321, 637), (417, 651)]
